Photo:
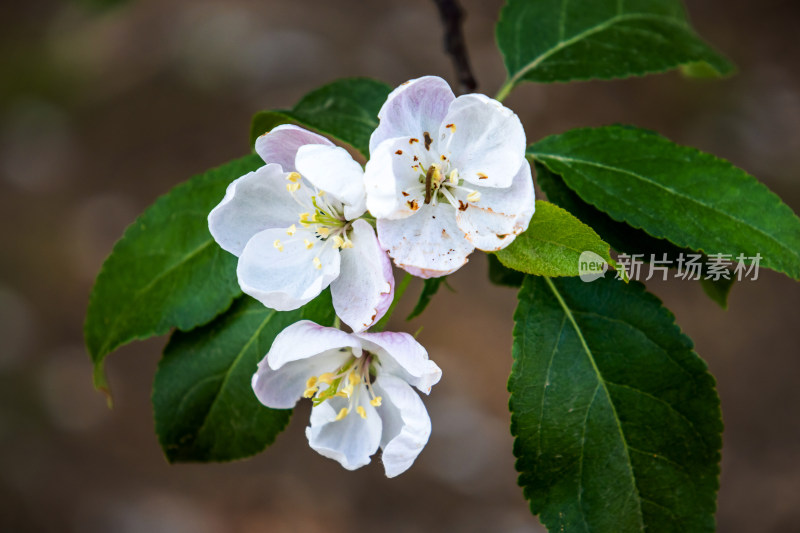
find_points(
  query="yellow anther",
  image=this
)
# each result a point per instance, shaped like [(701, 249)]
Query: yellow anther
[(323, 232), (311, 382), (277, 244), (309, 244), (292, 187), (362, 411), (376, 401), (474, 196), (338, 241), (304, 218), (347, 244), (322, 193), (454, 177), (310, 392), (291, 230), (353, 379), (342, 413), (347, 391), (451, 127), (317, 263), (294, 177), (326, 378)]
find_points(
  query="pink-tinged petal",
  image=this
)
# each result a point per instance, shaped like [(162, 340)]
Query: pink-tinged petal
[(428, 244), (402, 356), (412, 109), (352, 440), (280, 389), (305, 339), (406, 424), (392, 178), (289, 278), (484, 140), (331, 169), (281, 143), (365, 287), (500, 215), (255, 202)]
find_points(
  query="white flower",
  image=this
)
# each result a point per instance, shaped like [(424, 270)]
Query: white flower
[(360, 384), (294, 225), (446, 175)]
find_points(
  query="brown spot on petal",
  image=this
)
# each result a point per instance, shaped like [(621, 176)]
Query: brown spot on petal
[(405, 193), (399, 152), (482, 176), (428, 140), (412, 140), (445, 235), (501, 236)]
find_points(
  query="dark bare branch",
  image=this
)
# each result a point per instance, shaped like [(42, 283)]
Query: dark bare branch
[(452, 16)]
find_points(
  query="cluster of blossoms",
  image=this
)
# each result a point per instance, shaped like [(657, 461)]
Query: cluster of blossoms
[(446, 175)]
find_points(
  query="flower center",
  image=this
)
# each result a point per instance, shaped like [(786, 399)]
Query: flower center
[(321, 215), (440, 182), (350, 381)]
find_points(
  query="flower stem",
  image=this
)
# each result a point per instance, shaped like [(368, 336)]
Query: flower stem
[(398, 293)]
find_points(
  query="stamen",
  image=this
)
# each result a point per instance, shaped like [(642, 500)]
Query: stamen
[(310, 392), (294, 177), (338, 241), (454, 177), (309, 244), (342, 413), (291, 230), (474, 196), (277, 244), (311, 382), (292, 187), (323, 232), (376, 401), (362, 411), (317, 263), (326, 378)]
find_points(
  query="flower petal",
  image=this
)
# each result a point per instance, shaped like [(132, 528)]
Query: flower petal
[(287, 279), (350, 441), (392, 178), (305, 339), (428, 244), (406, 424), (280, 389), (416, 107), (402, 356), (484, 140), (331, 169), (500, 215), (365, 287), (255, 202), (281, 143)]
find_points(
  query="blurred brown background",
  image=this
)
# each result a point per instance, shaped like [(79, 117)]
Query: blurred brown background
[(102, 112)]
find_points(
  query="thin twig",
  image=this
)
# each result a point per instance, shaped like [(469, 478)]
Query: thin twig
[(452, 16)]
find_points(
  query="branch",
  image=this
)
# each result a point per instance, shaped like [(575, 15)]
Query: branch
[(452, 16)]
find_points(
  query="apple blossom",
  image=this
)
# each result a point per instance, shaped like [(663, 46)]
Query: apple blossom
[(446, 175), (361, 388), (294, 224)]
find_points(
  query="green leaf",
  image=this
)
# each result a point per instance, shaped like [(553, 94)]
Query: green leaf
[(429, 289), (625, 238), (205, 408), (346, 110), (502, 275), (718, 290), (673, 192), (553, 243), (565, 40), (616, 420), (166, 271)]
